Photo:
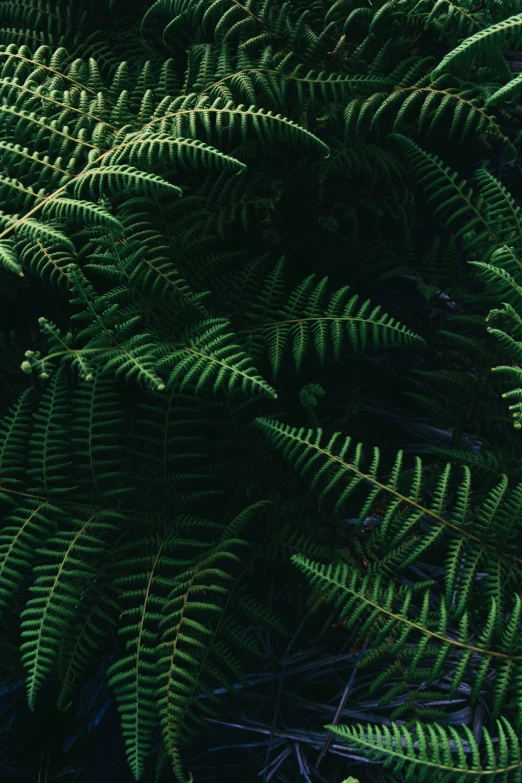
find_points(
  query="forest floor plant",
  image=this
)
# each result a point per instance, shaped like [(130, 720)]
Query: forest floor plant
[(260, 463)]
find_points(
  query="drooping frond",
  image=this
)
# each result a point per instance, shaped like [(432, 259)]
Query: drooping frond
[(504, 34)]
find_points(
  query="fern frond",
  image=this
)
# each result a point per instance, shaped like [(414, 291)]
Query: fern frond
[(210, 356), (114, 180), (451, 197), (501, 276), (308, 315), (107, 335), (23, 531), (78, 211), (508, 92), (452, 21), (502, 35), (337, 466), (382, 612), (69, 558), (15, 429), (438, 104), (430, 751), (85, 638), (190, 114), (9, 258), (160, 149), (182, 629)]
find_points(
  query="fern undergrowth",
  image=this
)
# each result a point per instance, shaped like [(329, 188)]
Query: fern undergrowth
[(261, 356)]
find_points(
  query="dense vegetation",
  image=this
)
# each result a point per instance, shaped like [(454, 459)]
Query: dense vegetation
[(261, 334)]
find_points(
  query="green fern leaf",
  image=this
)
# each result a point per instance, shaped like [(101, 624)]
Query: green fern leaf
[(68, 559), (428, 752), (210, 357), (307, 316), (115, 180), (9, 258), (502, 35)]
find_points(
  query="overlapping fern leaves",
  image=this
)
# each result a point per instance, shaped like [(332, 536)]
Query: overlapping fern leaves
[(207, 211)]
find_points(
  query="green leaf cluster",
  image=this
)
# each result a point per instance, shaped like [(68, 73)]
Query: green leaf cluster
[(251, 250)]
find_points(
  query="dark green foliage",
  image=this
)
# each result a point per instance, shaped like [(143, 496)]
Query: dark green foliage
[(252, 250)]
